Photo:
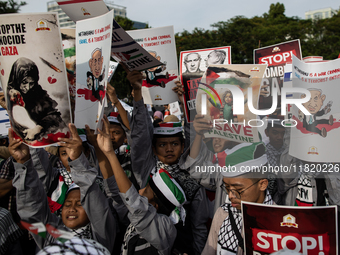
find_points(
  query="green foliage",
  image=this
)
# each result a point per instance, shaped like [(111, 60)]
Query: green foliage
[(319, 38), (10, 6)]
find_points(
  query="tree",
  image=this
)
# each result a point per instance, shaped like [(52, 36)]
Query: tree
[(10, 6)]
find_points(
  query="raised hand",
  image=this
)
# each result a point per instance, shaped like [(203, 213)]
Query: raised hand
[(201, 124), (179, 91), (104, 139), (111, 94), (19, 151), (74, 145)]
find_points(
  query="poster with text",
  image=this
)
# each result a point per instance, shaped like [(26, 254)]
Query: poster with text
[(33, 76), (83, 9), (127, 50), (93, 44), (224, 96), (159, 81), (275, 56), (193, 64), (316, 135), (306, 230)]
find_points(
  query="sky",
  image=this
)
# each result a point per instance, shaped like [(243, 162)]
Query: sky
[(189, 14)]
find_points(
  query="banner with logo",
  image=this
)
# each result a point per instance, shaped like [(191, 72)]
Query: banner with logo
[(224, 96), (275, 56), (316, 135), (306, 230), (159, 81), (83, 9), (33, 76), (193, 64), (93, 58)]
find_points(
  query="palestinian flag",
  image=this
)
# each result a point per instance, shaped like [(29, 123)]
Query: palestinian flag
[(60, 235), (35, 228), (170, 193), (57, 194), (243, 157), (168, 128)]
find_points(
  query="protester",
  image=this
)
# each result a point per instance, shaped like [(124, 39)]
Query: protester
[(225, 233), (167, 148), (162, 194), (274, 149), (86, 212)]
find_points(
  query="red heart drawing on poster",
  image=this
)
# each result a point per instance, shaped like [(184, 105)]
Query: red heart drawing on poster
[(51, 80), (2, 71)]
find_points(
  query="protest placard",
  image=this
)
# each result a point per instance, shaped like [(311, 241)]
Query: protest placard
[(93, 43), (315, 137), (33, 76), (83, 9), (193, 64), (112, 69), (275, 56), (159, 81), (224, 96), (127, 50), (68, 36), (307, 230)]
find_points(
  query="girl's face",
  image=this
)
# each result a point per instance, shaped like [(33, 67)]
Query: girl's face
[(228, 98), (26, 84), (74, 215)]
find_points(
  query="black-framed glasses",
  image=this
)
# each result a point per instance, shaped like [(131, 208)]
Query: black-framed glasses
[(235, 193)]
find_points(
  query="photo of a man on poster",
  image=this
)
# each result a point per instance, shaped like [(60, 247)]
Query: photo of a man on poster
[(192, 63), (32, 110), (96, 76)]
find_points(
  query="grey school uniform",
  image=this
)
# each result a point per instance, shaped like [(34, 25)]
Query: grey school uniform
[(33, 207), (144, 162)]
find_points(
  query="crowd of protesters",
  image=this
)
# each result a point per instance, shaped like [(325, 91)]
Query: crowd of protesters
[(133, 188)]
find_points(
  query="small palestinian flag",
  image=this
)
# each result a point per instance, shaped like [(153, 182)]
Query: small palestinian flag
[(168, 128), (170, 193), (35, 228), (57, 194), (60, 235), (244, 157), (113, 117)]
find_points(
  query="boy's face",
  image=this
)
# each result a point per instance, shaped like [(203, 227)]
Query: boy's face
[(252, 192), (63, 156), (275, 135), (168, 149), (118, 136), (73, 213)]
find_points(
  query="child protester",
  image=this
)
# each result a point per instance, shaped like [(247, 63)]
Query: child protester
[(85, 212), (152, 212)]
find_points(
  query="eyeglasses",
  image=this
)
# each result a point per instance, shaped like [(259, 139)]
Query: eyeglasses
[(235, 193)]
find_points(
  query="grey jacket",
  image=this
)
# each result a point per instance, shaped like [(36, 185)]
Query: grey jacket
[(33, 207), (143, 162), (156, 229)]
